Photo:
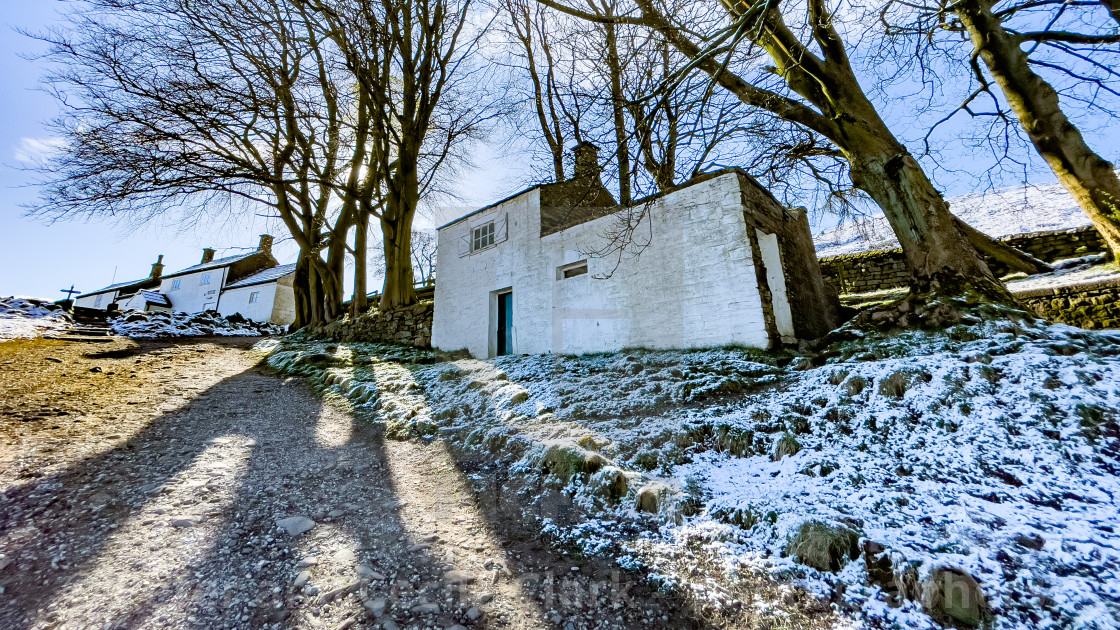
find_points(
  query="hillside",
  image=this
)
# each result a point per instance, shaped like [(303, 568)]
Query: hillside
[(1005, 212), (883, 475)]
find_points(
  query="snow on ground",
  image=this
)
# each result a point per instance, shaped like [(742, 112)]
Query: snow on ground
[(161, 324), (1069, 273), (1005, 212), (990, 449), (26, 318)]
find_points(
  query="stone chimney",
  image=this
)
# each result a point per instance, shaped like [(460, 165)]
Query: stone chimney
[(207, 256), (266, 243), (587, 161), (157, 269)]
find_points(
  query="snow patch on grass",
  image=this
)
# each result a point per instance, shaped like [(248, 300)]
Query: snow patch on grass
[(27, 318)]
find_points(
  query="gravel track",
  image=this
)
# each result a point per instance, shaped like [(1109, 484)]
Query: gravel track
[(145, 486)]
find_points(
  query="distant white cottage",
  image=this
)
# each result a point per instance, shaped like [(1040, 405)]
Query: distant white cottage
[(252, 284), (725, 264), (115, 295)]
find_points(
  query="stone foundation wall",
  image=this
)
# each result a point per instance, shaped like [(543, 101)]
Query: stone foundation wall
[(407, 326), (876, 271), (1093, 305)]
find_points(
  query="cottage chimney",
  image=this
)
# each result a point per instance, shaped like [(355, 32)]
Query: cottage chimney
[(207, 256), (157, 269), (587, 161), (266, 243)]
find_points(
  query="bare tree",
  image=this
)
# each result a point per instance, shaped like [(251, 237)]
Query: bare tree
[(424, 248), (179, 105), (1016, 43), (411, 59), (822, 93), (603, 83)]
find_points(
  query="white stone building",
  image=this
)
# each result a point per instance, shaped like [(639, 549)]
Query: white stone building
[(716, 262), (266, 296), (115, 295), (252, 284)]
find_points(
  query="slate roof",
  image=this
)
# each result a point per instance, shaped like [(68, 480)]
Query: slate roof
[(213, 264), (155, 297), (114, 287), (261, 277)]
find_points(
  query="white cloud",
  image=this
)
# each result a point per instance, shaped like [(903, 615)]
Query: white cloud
[(35, 150)]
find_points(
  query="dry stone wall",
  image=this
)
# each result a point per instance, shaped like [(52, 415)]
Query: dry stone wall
[(876, 271), (1090, 305), (405, 326)]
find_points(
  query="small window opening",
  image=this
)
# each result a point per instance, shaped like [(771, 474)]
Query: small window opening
[(205, 279), (482, 237), (573, 270), (254, 297), (176, 283)]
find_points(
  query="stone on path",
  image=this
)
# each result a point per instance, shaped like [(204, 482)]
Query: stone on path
[(295, 525), (376, 606)]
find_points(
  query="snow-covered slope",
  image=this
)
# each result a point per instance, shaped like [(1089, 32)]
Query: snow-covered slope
[(991, 451), (1018, 210), (26, 318), (141, 325)]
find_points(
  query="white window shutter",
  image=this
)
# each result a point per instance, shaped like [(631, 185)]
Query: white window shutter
[(465, 244), (501, 229)]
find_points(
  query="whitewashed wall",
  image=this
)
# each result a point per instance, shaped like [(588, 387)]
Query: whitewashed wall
[(91, 301), (237, 301), (192, 297), (694, 285), (284, 307), (137, 303)]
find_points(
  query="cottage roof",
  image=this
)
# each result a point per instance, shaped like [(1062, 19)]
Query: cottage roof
[(213, 264), (268, 275), (155, 297), (485, 208), (113, 287)]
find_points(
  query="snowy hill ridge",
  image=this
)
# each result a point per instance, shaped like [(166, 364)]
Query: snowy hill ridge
[(1006, 212)]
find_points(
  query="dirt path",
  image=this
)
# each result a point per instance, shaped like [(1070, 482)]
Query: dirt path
[(148, 486)]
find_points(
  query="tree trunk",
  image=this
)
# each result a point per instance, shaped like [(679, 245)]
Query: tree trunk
[(301, 288), (1016, 260), (621, 135), (939, 257), (1087, 176), (398, 289), (396, 228), (1113, 7), (360, 303)]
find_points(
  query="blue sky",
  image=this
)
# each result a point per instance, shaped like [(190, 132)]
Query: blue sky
[(40, 259)]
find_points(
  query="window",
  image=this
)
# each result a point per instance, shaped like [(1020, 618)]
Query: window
[(485, 234), (572, 270), (176, 283), (482, 236), (254, 297), (205, 279), (97, 302)]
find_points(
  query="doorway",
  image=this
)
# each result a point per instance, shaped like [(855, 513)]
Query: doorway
[(505, 324)]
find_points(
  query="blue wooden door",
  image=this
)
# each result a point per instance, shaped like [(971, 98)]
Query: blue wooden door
[(505, 323)]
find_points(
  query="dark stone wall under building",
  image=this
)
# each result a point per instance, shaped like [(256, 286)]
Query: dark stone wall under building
[(405, 326), (876, 271)]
